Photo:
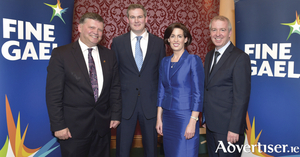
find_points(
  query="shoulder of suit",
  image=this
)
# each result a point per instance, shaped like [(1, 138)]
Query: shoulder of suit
[(120, 37), (65, 48), (237, 50), (103, 48), (166, 58), (67, 45), (209, 52), (193, 57), (154, 36)]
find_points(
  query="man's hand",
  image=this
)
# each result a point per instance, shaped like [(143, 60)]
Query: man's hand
[(63, 134), (114, 124), (232, 137)]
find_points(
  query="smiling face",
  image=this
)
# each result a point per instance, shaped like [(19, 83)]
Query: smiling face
[(137, 21), (220, 33), (91, 32), (177, 40)]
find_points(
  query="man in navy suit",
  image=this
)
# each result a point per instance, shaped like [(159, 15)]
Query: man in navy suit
[(82, 111), (227, 91), (138, 84)]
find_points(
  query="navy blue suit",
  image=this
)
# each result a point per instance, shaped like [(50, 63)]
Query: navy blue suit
[(139, 92)]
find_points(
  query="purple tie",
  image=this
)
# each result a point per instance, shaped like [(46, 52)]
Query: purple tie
[(93, 74)]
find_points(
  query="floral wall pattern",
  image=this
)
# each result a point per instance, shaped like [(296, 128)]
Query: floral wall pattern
[(195, 14)]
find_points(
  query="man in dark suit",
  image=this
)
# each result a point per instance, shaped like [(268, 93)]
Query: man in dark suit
[(83, 92), (139, 81), (227, 91)]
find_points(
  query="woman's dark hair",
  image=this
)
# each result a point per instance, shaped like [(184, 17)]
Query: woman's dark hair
[(186, 33)]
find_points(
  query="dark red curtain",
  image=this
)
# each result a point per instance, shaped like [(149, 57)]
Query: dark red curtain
[(195, 14)]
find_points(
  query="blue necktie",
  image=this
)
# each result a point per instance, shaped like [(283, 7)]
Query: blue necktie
[(93, 74), (138, 53)]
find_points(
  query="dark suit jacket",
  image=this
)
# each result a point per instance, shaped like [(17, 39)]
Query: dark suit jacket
[(69, 93), (135, 83), (182, 90), (227, 91)]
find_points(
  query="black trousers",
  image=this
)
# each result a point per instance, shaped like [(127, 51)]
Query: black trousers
[(93, 146), (218, 146)]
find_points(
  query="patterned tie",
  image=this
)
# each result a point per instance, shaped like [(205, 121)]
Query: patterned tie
[(217, 54), (138, 53), (93, 74)]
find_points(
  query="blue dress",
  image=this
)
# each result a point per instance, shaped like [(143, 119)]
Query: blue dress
[(180, 91), (175, 144), (174, 125)]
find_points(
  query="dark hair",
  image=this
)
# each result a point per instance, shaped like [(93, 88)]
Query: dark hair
[(136, 6), (89, 15), (186, 33)]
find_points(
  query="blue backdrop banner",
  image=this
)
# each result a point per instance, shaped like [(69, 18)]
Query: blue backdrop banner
[(29, 31), (269, 31)]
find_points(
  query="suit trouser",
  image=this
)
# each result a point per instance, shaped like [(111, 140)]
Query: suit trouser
[(93, 146), (218, 146), (126, 130)]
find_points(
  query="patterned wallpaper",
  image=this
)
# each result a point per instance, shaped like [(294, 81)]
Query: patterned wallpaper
[(195, 14)]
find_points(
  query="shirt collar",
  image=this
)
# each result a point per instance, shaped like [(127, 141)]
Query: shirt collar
[(222, 50), (84, 47), (144, 35)]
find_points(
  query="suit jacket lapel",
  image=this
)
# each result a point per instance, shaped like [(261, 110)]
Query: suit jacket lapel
[(222, 60), (151, 45), (103, 60), (77, 53), (208, 61), (179, 63), (167, 68), (128, 50)]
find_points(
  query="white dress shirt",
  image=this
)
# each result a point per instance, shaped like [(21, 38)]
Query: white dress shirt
[(221, 51), (143, 42), (96, 57)]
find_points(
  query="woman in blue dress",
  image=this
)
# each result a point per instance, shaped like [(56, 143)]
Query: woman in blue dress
[(180, 95)]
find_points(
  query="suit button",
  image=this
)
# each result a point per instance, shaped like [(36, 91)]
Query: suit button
[(139, 75), (206, 89), (137, 89)]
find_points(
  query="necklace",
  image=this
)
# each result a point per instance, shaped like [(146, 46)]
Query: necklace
[(172, 64)]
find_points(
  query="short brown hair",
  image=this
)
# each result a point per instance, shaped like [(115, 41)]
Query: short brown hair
[(90, 15), (136, 6), (186, 33)]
